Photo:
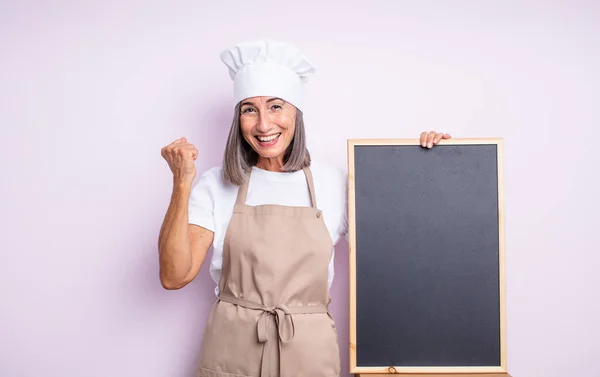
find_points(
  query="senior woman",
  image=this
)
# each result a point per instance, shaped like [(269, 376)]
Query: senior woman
[(272, 216)]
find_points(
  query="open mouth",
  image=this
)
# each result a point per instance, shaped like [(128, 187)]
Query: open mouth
[(268, 140)]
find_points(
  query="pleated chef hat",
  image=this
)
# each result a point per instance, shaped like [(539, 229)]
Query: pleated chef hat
[(267, 68)]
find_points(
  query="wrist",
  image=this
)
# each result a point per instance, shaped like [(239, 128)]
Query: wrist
[(183, 182)]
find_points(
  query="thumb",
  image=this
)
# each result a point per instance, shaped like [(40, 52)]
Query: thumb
[(183, 139)]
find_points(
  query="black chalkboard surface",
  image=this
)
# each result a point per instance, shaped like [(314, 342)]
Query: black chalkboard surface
[(426, 263)]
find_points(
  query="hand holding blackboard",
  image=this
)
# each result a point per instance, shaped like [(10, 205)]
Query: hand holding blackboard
[(431, 138)]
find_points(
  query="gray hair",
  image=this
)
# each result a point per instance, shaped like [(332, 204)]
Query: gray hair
[(239, 157)]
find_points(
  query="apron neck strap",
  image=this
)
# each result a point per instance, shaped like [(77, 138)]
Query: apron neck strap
[(243, 190), (311, 187)]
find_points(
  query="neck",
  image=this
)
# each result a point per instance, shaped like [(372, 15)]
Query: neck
[(271, 164)]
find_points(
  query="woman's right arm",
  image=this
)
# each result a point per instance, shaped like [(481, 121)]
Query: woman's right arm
[(182, 246)]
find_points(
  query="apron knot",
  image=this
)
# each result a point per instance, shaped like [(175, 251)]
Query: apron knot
[(281, 315)]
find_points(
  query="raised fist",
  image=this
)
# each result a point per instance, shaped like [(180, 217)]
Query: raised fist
[(180, 155)]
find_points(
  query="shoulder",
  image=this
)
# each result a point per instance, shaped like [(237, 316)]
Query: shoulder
[(331, 183), (326, 174), (213, 175), (211, 180)]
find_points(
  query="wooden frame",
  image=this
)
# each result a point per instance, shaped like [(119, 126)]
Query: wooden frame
[(426, 371)]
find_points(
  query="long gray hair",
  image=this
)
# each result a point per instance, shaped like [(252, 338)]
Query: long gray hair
[(239, 157)]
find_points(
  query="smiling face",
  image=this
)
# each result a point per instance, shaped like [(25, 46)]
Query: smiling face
[(268, 125)]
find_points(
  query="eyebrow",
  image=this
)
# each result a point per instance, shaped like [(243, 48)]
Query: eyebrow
[(269, 100)]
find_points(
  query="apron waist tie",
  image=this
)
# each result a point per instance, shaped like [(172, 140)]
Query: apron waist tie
[(281, 314)]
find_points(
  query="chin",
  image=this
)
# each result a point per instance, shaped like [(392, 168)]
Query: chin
[(273, 154)]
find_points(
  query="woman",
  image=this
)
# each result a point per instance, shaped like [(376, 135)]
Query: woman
[(272, 217)]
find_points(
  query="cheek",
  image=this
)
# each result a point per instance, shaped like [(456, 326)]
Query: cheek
[(246, 126), (287, 121), (291, 130)]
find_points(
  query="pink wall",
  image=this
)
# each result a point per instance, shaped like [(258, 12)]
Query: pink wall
[(89, 93)]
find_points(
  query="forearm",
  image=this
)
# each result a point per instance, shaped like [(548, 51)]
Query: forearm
[(175, 254)]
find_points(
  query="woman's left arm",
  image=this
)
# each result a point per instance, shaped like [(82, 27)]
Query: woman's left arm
[(431, 138)]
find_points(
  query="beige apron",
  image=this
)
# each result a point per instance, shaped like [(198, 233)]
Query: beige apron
[(272, 319)]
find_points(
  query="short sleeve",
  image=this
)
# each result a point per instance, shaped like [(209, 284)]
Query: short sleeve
[(343, 230), (201, 208)]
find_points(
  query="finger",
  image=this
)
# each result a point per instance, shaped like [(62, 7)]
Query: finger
[(423, 139), (187, 151), (430, 139), (178, 141), (169, 149), (191, 151), (446, 136), (437, 138)]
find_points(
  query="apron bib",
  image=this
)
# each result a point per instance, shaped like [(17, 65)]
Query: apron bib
[(272, 318)]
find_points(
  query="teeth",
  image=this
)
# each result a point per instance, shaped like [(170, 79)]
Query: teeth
[(268, 138)]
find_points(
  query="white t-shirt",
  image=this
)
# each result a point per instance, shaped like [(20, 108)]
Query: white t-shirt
[(212, 200)]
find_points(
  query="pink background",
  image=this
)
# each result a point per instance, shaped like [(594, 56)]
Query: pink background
[(90, 92)]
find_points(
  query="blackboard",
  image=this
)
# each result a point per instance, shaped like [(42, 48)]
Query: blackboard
[(426, 257)]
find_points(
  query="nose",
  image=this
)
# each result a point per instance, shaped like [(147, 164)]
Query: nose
[(264, 124)]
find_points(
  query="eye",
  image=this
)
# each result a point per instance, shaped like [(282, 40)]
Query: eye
[(276, 107), (247, 110)]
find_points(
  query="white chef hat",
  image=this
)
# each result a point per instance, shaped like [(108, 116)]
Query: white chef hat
[(268, 68)]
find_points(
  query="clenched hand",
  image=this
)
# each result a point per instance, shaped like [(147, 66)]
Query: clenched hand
[(180, 155)]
